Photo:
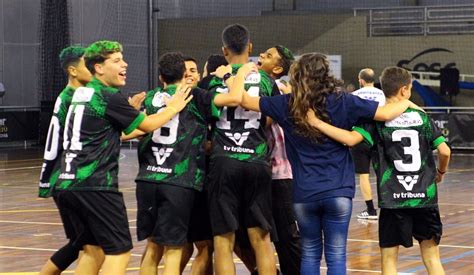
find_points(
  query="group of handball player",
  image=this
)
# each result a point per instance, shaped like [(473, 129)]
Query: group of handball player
[(247, 158)]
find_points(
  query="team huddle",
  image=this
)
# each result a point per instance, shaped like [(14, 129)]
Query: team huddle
[(235, 161)]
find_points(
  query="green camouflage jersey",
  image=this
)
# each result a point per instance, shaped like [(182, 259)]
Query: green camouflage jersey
[(97, 116), (403, 159), (174, 154), (53, 148), (240, 133)]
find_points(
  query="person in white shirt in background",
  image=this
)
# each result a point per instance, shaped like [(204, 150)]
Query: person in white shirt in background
[(361, 152)]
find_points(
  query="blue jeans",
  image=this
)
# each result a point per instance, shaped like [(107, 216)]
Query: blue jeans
[(324, 221)]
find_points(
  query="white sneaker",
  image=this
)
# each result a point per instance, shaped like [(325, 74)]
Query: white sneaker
[(365, 215)]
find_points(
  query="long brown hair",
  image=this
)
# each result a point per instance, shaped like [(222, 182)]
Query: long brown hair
[(311, 84)]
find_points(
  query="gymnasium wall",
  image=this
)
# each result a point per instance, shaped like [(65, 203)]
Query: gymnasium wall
[(201, 37), (126, 21), (359, 51), (343, 35), (19, 49), (90, 20)]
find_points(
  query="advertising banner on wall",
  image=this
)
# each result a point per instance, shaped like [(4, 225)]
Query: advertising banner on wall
[(19, 126), (457, 128)]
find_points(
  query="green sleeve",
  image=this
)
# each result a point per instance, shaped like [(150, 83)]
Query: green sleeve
[(438, 137), (367, 136), (438, 141), (215, 110), (139, 119)]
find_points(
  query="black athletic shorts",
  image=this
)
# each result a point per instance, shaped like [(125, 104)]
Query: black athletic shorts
[(361, 156), (283, 213), (200, 224), (399, 226), (95, 218), (163, 212), (239, 195)]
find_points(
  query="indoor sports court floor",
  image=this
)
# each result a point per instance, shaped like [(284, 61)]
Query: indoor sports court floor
[(31, 230)]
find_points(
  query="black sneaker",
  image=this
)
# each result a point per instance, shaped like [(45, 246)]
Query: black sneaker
[(366, 215)]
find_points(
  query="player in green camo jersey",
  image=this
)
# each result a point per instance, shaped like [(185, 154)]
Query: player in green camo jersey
[(406, 179), (407, 176), (72, 62), (199, 227), (172, 163), (237, 126), (240, 177), (96, 117), (173, 154), (202, 263)]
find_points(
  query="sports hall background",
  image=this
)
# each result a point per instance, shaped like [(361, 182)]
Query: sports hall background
[(423, 35), (31, 31)]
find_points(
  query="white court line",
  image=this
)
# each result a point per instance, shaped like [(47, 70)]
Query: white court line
[(415, 243), (367, 271), (28, 210), (20, 168), (26, 248), (41, 210), (41, 249), (23, 160), (45, 223)]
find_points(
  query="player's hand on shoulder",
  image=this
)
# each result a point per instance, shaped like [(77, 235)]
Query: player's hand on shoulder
[(312, 118), (222, 70), (180, 98), (414, 106), (247, 68), (284, 87), (136, 100)]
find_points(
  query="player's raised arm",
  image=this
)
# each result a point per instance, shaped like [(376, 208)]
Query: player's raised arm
[(179, 100), (248, 102), (391, 110)]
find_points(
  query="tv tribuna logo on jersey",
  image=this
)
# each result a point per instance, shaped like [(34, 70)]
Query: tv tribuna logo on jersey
[(238, 138), (408, 181), (161, 154)]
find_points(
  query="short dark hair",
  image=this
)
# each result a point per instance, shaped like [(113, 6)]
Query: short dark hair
[(392, 79), (236, 37), (70, 56), (367, 75), (171, 67), (214, 61), (99, 51), (286, 59), (190, 58)]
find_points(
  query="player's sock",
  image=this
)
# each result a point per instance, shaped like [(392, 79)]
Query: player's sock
[(370, 207)]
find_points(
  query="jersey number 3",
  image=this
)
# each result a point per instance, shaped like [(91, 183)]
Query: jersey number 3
[(413, 150)]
